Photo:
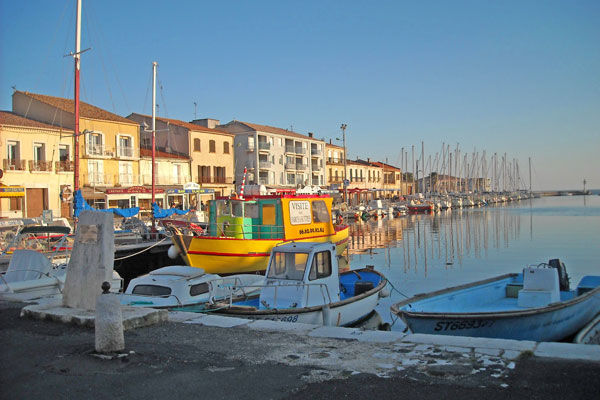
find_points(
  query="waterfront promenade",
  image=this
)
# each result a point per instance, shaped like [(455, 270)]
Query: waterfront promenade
[(200, 356)]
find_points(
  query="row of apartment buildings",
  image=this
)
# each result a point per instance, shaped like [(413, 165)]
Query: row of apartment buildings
[(195, 161)]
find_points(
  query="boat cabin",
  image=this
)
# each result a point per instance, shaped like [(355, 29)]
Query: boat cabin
[(289, 217), (300, 275)]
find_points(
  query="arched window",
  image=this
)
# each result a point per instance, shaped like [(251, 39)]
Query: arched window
[(196, 144), (211, 146), (225, 147)]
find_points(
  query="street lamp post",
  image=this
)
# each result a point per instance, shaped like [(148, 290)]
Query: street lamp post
[(343, 128)]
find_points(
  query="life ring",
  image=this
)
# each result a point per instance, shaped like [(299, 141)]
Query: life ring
[(66, 194)]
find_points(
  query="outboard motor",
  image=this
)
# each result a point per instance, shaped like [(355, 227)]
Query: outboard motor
[(563, 277)]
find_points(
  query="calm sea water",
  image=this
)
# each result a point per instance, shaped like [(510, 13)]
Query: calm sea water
[(422, 253)]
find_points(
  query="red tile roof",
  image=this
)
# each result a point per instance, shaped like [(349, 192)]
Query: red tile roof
[(188, 125), (386, 166), (161, 154), (10, 118), (85, 110), (278, 131)]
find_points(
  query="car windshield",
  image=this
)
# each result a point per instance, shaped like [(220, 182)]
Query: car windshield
[(288, 265)]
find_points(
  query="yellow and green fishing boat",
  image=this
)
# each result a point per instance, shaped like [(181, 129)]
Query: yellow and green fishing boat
[(241, 232)]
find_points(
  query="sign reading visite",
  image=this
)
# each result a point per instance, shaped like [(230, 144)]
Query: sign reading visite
[(300, 212)]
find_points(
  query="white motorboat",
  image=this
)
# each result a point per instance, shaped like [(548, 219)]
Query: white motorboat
[(178, 286), (32, 275), (303, 285)]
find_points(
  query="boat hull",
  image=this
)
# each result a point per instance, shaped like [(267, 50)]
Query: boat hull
[(551, 323), (224, 255), (342, 313)]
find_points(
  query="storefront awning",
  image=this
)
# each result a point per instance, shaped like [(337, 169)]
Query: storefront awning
[(12, 191)]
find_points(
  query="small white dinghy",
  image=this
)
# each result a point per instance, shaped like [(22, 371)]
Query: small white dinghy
[(31, 275), (180, 286), (303, 285)]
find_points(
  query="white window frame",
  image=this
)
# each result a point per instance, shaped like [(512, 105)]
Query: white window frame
[(95, 172), (119, 147), (97, 149)]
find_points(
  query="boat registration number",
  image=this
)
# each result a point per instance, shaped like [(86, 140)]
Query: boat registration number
[(287, 318), (470, 324)]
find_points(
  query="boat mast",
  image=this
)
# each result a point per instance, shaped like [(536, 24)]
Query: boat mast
[(77, 57), (154, 65), (529, 176)]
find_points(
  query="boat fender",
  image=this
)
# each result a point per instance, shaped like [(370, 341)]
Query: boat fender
[(172, 252), (361, 287), (384, 293)]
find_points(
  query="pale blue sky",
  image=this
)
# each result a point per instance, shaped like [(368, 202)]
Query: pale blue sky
[(521, 77)]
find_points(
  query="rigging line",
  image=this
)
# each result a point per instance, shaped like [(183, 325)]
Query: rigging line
[(109, 56), (46, 58), (147, 90), (162, 96), (89, 26)]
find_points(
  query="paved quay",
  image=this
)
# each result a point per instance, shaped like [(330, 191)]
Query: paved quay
[(207, 356)]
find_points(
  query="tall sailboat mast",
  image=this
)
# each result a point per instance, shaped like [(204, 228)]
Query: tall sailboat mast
[(154, 65), (77, 57)]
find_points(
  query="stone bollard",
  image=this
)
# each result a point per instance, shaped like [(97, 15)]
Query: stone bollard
[(109, 322)]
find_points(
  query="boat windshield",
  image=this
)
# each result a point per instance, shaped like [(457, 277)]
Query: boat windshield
[(288, 265), (232, 208)]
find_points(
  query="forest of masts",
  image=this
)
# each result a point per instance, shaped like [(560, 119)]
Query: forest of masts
[(452, 170)]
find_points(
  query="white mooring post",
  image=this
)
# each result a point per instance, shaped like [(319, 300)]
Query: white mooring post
[(108, 325)]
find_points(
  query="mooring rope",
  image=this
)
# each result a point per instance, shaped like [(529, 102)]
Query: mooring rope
[(146, 249)]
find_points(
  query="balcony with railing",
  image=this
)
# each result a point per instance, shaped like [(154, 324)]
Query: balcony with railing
[(265, 164), (97, 179), (300, 150), (315, 182), (335, 180), (264, 146), (64, 166), (103, 151), (357, 179), (40, 166), (215, 180), (316, 167), (289, 149), (291, 166), (300, 167), (126, 152), (315, 152), (335, 161), (13, 164)]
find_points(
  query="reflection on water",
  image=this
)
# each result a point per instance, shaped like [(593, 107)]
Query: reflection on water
[(447, 236), (421, 253)]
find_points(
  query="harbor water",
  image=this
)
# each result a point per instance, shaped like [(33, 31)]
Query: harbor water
[(426, 252)]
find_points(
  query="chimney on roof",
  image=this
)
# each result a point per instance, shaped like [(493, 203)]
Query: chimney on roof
[(368, 160), (206, 122), (330, 141), (310, 134)]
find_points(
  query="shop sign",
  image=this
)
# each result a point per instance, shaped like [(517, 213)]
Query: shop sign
[(190, 191), (133, 190)]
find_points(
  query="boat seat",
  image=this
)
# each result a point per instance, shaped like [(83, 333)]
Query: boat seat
[(540, 287)]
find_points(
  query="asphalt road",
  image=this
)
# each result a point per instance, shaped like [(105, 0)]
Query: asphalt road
[(47, 360)]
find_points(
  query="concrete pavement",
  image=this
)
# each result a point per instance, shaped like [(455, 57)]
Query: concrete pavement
[(206, 356)]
